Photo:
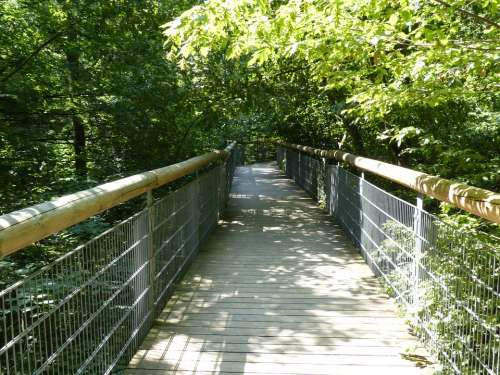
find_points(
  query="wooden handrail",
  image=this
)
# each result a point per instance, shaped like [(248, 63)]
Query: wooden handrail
[(480, 202), (24, 227)]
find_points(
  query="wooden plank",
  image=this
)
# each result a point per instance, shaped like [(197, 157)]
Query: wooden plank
[(343, 370), (319, 312), (219, 285), (278, 294), (336, 370), (159, 359), (269, 319), (338, 324), (273, 289), (289, 333), (238, 307), (163, 339), (223, 347), (247, 367), (272, 303), (258, 300)]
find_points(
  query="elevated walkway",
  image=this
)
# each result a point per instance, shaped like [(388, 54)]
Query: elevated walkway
[(277, 289)]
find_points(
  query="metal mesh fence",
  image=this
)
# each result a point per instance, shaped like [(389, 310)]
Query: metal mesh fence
[(446, 280), (87, 312)]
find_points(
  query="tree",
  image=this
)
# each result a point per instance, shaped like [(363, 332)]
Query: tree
[(405, 81)]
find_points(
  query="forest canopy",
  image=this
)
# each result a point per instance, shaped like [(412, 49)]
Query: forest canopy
[(86, 96), (412, 82)]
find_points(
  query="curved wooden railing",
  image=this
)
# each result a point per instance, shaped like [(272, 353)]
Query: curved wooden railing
[(480, 202), (26, 226)]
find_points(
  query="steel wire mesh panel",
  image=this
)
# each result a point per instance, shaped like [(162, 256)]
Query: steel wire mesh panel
[(308, 172), (448, 281), (87, 312), (79, 307)]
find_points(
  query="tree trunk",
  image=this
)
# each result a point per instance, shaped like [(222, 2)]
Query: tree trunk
[(351, 128), (79, 137), (357, 139), (79, 147)]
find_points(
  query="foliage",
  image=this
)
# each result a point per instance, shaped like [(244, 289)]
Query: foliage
[(97, 68), (411, 82), (86, 96), (385, 54), (452, 304)]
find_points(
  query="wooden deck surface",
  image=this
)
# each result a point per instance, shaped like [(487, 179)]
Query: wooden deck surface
[(277, 289)]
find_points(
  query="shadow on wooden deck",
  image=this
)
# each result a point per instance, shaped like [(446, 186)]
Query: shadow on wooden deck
[(277, 289)]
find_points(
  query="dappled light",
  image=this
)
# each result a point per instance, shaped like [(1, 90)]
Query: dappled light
[(364, 221), (277, 288)]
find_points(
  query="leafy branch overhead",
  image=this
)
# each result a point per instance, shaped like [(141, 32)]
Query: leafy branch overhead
[(384, 53)]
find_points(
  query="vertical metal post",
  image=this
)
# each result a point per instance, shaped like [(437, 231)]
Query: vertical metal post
[(321, 185), (285, 162), (417, 229), (332, 189), (219, 193), (151, 253), (197, 207), (299, 169), (361, 183), (361, 213), (338, 192)]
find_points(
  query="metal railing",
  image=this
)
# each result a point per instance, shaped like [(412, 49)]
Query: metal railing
[(446, 280), (88, 312)]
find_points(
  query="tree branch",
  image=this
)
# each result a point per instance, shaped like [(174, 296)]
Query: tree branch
[(470, 14), (22, 63), (53, 140)]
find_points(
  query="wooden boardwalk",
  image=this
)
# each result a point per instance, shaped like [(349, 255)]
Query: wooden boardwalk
[(277, 289)]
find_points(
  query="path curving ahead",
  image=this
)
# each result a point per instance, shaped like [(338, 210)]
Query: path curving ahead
[(277, 289)]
